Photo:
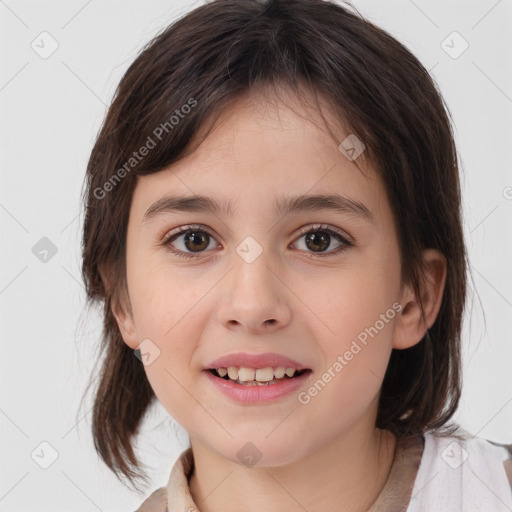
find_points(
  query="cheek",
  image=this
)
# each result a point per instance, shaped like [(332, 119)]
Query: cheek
[(170, 387), (163, 297), (354, 319), (169, 321), (355, 365), (164, 312), (347, 300)]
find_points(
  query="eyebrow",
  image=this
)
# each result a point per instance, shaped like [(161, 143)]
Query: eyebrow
[(282, 206)]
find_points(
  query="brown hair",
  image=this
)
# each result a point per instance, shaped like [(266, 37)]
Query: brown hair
[(384, 95)]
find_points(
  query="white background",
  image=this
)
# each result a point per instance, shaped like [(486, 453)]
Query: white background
[(51, 110)]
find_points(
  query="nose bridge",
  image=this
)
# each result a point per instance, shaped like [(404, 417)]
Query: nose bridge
[(255, 298), (251, 268)]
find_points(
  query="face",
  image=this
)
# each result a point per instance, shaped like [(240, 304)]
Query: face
[(320, 286)]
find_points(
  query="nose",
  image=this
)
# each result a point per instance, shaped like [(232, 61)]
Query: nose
[(254, 298)]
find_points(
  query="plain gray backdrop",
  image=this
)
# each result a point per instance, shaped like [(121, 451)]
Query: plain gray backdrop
[(52, 106)]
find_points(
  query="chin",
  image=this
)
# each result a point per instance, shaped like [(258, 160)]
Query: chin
[(252, 451)]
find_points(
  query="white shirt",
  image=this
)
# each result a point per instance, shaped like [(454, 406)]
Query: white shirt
[(468, 475), (430, 473)]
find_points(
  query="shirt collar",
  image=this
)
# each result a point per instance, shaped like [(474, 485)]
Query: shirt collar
[(179, 498), (395, 493)]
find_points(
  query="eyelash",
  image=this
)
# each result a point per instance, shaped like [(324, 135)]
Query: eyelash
[(303, 231)]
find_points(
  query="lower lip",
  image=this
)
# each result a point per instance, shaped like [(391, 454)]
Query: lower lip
[(255, 393)]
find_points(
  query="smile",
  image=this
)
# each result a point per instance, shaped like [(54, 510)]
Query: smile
[(256, 377), (247, 390)]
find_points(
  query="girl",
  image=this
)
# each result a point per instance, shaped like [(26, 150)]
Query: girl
[(273, 225)]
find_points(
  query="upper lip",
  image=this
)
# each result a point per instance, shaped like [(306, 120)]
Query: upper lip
[(268, 359)]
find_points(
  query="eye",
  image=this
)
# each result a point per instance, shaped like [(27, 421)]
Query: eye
[(318, 239), (194, 239)]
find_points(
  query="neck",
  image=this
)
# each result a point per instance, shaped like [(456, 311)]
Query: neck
[(350, 470)]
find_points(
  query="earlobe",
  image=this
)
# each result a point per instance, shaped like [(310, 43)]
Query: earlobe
[(410, 326), (122, 314), (126, 326)]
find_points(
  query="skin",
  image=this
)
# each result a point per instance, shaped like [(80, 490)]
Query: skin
[(313, 456)]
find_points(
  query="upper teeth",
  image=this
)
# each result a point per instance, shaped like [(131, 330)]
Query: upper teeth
[(245, 374)]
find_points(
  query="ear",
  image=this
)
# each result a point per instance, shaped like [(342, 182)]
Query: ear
[(121, 309), (126, 325), (410, 326)]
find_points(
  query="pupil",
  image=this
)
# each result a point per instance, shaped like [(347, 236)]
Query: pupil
[(316, 239), (191, 236)]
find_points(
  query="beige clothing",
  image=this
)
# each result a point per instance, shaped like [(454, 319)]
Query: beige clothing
[(401, 488)]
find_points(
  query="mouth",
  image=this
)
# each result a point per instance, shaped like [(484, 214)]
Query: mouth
[(249, 386), (257, 377)]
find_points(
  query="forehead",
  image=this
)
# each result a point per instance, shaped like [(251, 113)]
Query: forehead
[(260, 151)]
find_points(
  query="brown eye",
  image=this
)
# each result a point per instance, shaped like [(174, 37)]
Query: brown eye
[(319, 238), (318, 241), (192, 241), (196, 240), (189, 241)]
